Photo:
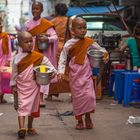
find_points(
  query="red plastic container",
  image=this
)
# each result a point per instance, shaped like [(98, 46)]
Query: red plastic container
[(118, 66), (5, 82)]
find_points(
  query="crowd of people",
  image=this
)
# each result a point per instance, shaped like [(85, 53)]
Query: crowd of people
[(65, 54)]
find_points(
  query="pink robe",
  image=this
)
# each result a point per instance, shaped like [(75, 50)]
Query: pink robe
[(28, 93), (4, 58), (50, 52), (27, 88), (81, 83)]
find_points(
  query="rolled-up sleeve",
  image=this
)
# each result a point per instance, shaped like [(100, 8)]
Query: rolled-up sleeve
[(62, 60), (95, 45)]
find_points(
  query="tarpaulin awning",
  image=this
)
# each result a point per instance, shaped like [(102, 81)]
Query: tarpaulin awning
[(92, 10)]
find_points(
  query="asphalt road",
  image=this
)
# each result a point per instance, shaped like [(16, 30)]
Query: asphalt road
[(109, 119)]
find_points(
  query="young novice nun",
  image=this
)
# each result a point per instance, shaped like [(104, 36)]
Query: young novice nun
[(42, 30), (5, 54), (75, 54), (24, 86)]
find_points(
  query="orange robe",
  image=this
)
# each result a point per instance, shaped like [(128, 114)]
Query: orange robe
[(60, 24)]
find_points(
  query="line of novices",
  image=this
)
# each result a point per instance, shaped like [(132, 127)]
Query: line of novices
[(28, 55)]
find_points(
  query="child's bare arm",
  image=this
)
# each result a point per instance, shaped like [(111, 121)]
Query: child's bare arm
[(13, 85), (14, 91)]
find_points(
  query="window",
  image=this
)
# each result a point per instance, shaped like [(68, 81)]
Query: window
[(94, 25), (103, 22), (102, 26)]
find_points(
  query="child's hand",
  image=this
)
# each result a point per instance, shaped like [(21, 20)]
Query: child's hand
[(52, 75), (60, 77), (7, 64), (105, 57), (16, 103), (14, 89)]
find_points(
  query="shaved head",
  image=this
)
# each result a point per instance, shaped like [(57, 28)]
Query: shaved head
[(77, 20), (22, 35), (38, 3), (25, 41), (79, 27)]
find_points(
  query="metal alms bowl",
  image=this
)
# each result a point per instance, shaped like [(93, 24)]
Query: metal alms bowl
[(95, 58), (42, 78), (42, 45)]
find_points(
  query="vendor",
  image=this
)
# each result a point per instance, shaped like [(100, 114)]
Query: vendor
[(133, 43)]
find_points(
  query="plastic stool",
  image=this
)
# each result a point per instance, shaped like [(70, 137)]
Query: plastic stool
[(115, 78), (135, 94), (118, 94), (95, 71), (128, 85)]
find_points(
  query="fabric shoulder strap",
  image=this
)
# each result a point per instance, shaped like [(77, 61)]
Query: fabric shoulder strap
[(34, 58), (41, 28), (79, 49)]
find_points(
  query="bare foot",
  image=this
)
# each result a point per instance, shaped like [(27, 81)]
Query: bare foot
[(80, 125), (88, 122)]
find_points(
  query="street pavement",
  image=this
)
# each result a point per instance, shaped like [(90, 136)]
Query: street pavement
[(110, 120)]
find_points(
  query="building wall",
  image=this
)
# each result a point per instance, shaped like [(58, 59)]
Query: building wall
[(134, 3), (130, 2), (3, 9)]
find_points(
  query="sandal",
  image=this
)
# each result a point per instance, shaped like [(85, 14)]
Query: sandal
[(80, 125), (42, 104), (89, 124), (21, 133), (31, 131)]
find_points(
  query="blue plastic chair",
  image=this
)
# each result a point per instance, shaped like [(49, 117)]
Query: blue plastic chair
[(116, 78), (129, 78), (118, 94)]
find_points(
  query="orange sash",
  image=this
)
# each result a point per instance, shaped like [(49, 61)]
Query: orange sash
[(79, 50), (41, 28), (4, 37), (34, 58)]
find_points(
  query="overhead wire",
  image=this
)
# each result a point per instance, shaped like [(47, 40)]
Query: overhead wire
[(127, 28)]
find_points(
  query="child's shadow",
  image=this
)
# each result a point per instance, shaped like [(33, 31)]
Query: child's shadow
[(14, 136)]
